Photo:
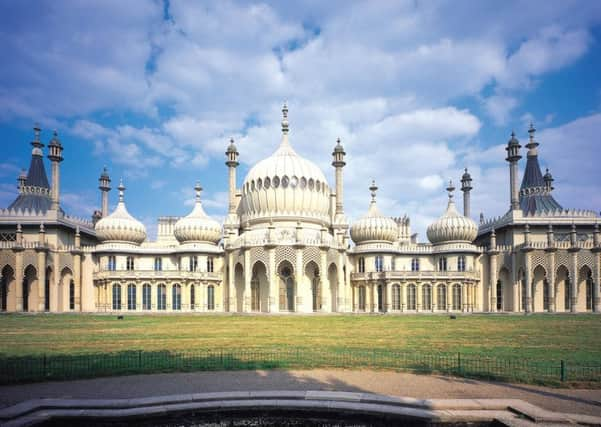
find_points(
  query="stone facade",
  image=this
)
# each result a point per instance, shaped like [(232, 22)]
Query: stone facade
[(285, 246)]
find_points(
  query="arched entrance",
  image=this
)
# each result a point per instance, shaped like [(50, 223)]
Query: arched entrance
[(502, 289), (259, 288), (312, 275), (287, 291), (30, 281), (239, 287), (380, 296), (64, 293), (585, 289), (333, 283), (6, 284), (539, 276), (562, 289)]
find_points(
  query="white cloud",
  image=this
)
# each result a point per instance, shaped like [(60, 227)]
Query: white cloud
[(499, 107)]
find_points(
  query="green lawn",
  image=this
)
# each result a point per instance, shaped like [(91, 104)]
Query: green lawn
[(575, 338)]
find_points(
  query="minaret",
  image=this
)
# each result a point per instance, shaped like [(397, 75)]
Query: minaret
[(548, 181), (56, 156), (466, 187), (104, 185), (513, 156), (338, 163), (232, 163), (21, 180)]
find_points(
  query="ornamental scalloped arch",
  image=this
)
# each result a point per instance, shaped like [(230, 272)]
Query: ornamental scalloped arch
[(311, 253), (585, 258), (7, 257), (285, 253), (259, 254)]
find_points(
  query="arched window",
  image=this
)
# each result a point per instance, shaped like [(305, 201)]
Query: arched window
[(112, 263), (461, 263), (499, 295), (441, 297), (361, 265), (176, 297), (161, 297), (193, 264), (4, 291), (47, 292), (396, 297), (567, 294), (415, 264), (316, 292), (255, 293), (379, 263), (210, 264), (116, 297), (131, 296), (146, 297), (72, 295), (211, 297), (192, 297), (411, 297), (130, 263), (546, 295), (361, 298), (456, 297), (158, 264), (427, 297), (442, 263), (524, 294)]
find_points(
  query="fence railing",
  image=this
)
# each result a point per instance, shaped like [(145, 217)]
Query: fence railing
[(63, 367)]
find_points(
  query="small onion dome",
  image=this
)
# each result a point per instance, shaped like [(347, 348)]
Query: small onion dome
[(452, 226), (197, 226), (374, 227), (339, 148), (548, 176), (513, 141), (232, 147), (120, 226)]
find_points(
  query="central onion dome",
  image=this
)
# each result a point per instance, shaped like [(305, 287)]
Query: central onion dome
[(374, 227), (285, 186), (452, 227), (120, 226), (197, 227)]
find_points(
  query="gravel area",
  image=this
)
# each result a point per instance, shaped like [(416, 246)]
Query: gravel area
[(391, 383)]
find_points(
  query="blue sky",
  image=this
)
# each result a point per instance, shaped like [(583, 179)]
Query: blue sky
[(416, 90)]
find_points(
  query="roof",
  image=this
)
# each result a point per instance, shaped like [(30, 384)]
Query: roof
[(31, 202), (36, 176), (535, 198)]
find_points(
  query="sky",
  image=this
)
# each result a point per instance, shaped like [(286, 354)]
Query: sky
[(416, 91)]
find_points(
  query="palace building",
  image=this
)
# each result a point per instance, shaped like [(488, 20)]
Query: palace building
[(286, 246)]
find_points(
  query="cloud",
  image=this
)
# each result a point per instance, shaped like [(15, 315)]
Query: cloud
[(499, 107)]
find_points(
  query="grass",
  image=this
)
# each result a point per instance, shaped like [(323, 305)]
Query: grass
[(576, 338)]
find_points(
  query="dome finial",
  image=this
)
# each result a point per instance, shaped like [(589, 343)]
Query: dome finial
[(121, 189), (373, 188), (450, 189), (285, 118), (198, 190)]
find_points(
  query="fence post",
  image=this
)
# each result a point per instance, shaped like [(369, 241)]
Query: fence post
[(459, 362), (563, 371)]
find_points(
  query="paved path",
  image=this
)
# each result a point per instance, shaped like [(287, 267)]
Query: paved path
[(391, 383)]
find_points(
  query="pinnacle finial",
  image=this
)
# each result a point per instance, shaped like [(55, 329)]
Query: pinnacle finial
[(285, 118), (36, 132), (373, 188), (198, 190), (450, 189)]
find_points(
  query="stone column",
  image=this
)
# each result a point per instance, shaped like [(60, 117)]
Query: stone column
[(274, 291), (300, 305), (418, 297), (449, 297), (574, 278), (231, 285), (139, 291), (551, 279), (246, 306), (41, 278), (18, 278), (323, 277), (388, 297), (185, 287), (528, 279), (597, 279), (493, 282)]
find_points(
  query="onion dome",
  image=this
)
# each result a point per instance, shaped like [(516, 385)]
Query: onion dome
[(120, 226), (452, 226), (374, 227), (285, 185), (197, 226)]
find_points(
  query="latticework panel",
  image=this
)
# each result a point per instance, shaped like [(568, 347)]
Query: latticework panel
[(311, 254), (285, 253)]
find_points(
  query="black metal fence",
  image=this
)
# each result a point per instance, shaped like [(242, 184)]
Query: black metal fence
[(62, 367)]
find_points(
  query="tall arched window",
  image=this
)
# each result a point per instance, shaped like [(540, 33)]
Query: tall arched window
[(456, 296), (442, 263), (546, 295), (524, 294), (158, 264), (131, 296), (379, 263), (130, 263), (396, 297), (415, 264), (161, 297), (567, 300), (411, 297), (361, 265), (112, 263), (116, 297), (361, 297), (47, 292), (176, 297), (589, 292), (146, 297), (461, 263), (255, 293), (499, 295), (210, 297), (3, 292), (427, 297), (71, 294), (441, 297), (192, 297), (193, 263), (210, 264)]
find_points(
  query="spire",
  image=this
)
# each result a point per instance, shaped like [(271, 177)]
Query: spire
[(285, 119), (198, 190), (450, 189), (532, 144), (121, 189), (37, 144), (373, 188)]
